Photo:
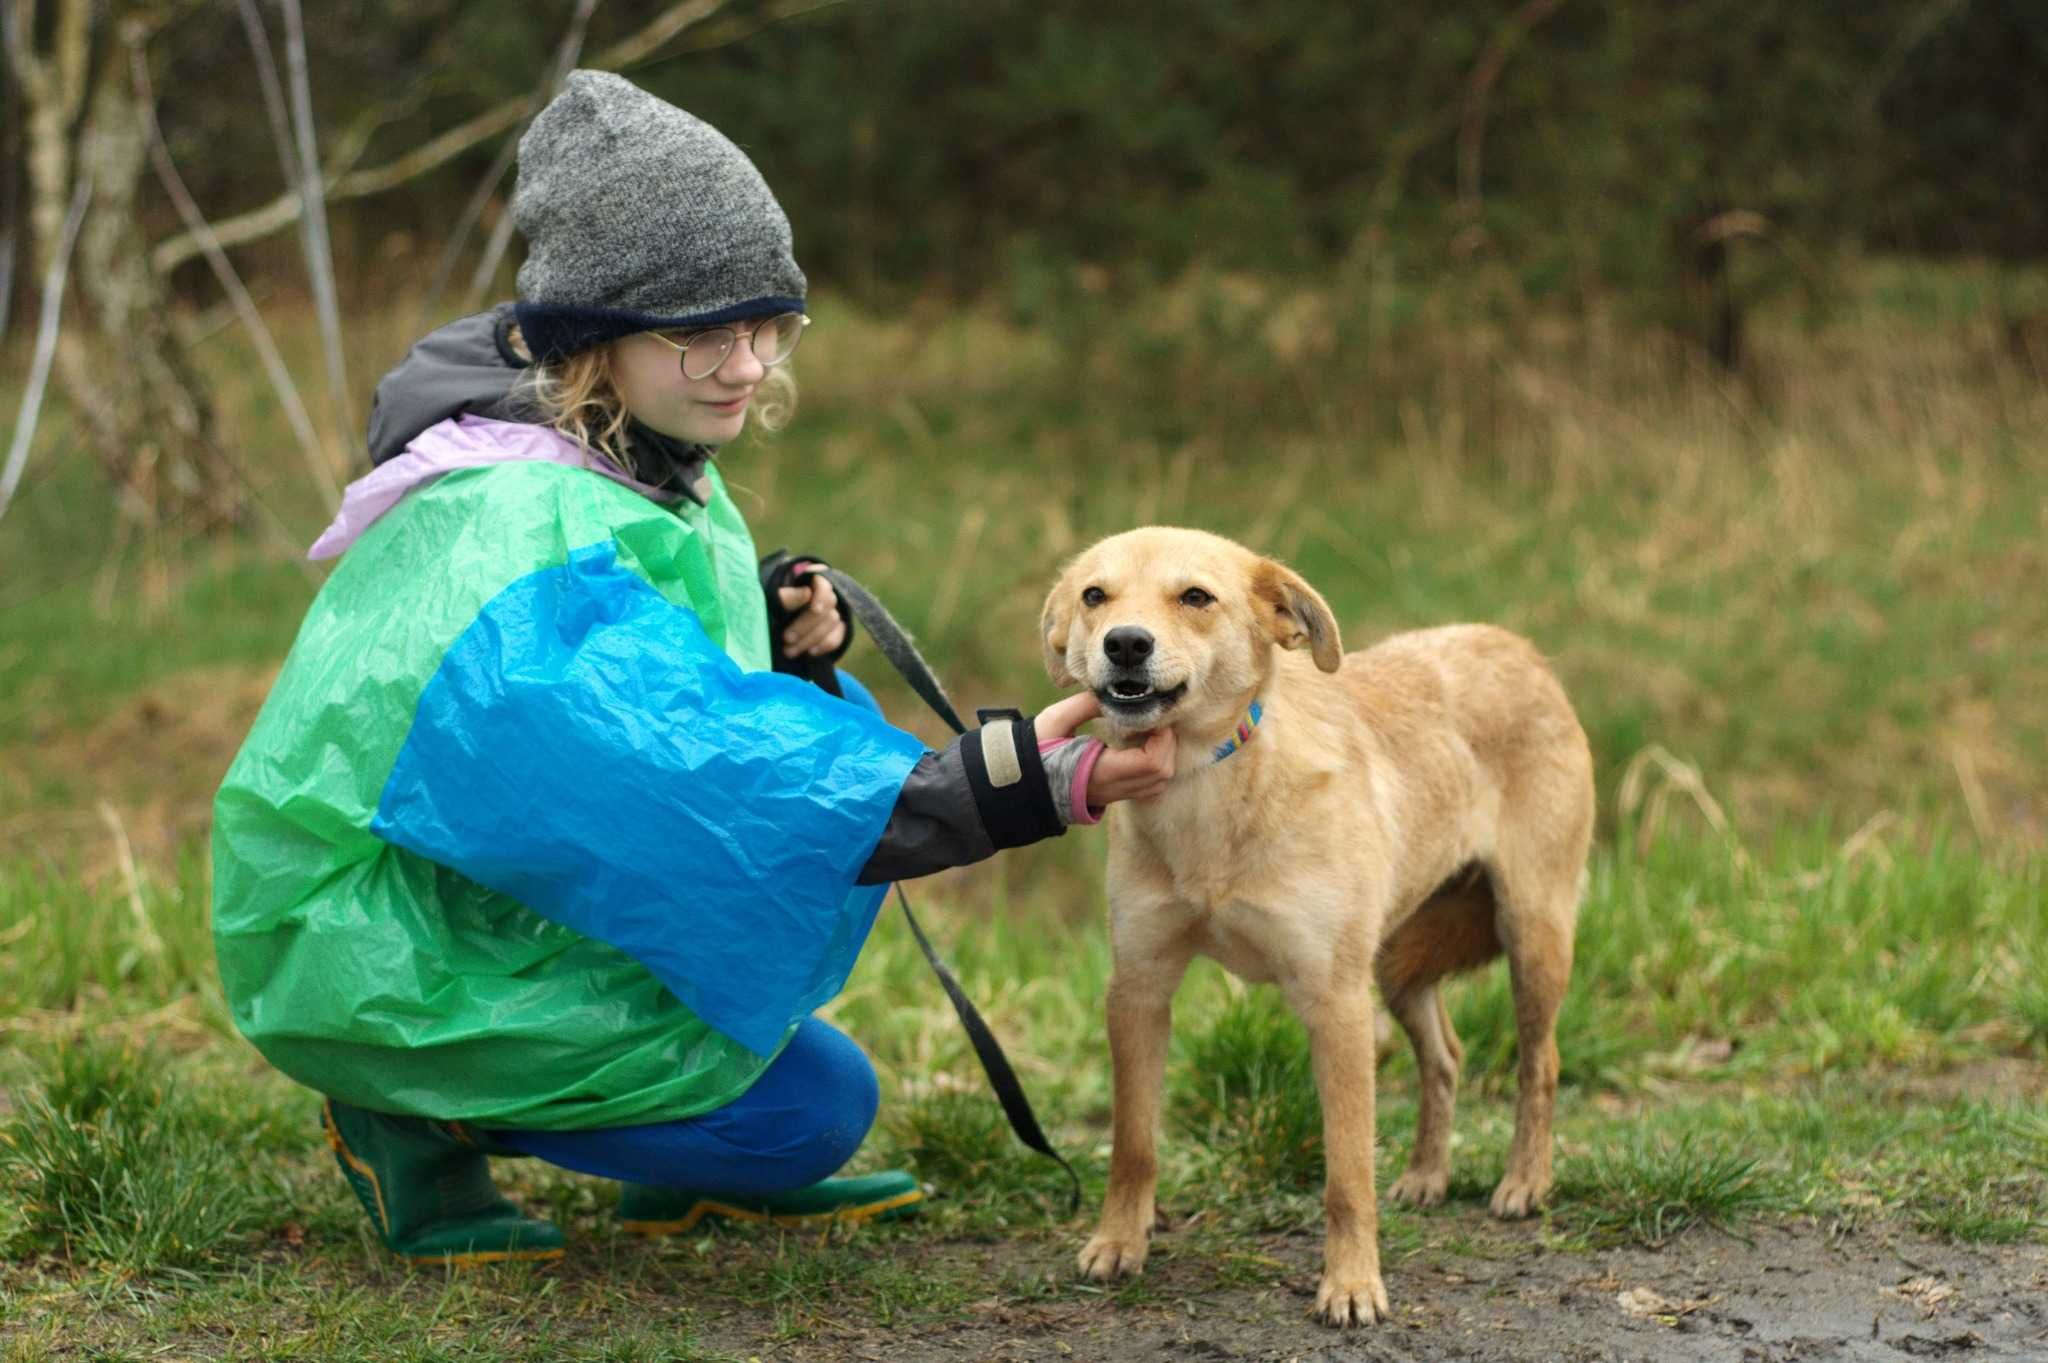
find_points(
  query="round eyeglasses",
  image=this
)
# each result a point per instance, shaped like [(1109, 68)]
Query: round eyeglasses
[(773, 340)]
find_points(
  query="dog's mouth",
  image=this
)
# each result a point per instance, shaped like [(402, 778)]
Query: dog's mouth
[(1132, 695)]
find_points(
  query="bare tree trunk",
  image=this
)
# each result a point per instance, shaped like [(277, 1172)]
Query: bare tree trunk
[(11, 153), (151, 424)]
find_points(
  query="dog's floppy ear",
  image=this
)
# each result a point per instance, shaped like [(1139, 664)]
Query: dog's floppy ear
[(1052, 629), (1295, 614)]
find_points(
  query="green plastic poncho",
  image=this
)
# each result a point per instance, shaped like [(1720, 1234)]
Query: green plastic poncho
[(527, 834)]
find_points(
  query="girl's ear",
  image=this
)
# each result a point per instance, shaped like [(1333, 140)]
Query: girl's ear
[(1052, 629), (1295, 614)]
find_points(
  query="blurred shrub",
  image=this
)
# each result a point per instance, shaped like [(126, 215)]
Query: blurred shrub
[(918, 145)]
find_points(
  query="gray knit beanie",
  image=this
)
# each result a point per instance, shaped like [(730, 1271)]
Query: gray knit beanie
[(637, 217)]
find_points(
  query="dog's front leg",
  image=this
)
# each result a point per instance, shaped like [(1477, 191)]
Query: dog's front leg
[(1140, 1021), (1340, 1035)]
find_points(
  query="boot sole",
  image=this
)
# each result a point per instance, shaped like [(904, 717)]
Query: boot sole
[(486, 1256), (708, 1208)]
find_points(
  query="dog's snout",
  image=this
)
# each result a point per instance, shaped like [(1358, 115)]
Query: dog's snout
[(1127, 646)]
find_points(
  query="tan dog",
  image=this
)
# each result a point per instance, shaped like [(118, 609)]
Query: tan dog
[(1392, 816)]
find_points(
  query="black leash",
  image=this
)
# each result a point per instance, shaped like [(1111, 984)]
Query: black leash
[(894, 641)]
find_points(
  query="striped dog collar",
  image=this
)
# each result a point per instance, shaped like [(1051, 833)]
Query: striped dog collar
[(1243, 734)]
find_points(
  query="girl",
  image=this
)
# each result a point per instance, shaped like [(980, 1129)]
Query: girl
[(530, 850)]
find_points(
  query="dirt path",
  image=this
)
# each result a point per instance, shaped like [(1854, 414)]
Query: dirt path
[(1789, 1294)]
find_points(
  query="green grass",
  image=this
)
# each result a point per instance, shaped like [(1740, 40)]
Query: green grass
[(1800, 617), (111, 1164), (1650, 1190)]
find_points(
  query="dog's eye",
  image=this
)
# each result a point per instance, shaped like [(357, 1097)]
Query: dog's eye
[(1196, 597), (1094, 596)]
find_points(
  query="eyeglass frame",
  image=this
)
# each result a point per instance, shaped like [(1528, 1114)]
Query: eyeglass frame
[(682, 347)]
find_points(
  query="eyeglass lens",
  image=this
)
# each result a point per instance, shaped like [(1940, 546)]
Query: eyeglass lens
[(774, 340)]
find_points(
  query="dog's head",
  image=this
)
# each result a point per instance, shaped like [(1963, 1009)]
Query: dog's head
[(1178, 627)]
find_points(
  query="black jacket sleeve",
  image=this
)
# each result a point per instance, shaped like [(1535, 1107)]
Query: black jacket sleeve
[(985, 792)]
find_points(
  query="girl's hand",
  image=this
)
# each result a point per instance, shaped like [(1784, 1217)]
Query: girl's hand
[(1120, 773), (818, 629)]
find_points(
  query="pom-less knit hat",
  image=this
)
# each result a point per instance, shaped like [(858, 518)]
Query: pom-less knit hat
[(637, 217)]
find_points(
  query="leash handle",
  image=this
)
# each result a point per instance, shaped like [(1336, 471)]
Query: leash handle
[(1001, 1077)]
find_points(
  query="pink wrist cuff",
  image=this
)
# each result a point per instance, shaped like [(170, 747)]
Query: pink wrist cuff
[(1080, 811)]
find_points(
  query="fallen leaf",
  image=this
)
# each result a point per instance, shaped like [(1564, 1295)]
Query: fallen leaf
[(1648, 1303), (1928, 1293)]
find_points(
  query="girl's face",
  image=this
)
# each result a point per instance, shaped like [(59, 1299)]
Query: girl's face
[(707, 411)]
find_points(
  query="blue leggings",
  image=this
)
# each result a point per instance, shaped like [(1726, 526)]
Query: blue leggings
[(802, 1119)]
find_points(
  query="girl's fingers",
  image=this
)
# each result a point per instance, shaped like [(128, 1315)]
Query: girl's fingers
[(1139, 773), (817, 628), (810, 635), (1062, 717)]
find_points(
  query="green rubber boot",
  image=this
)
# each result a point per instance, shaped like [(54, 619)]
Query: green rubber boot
[(427, 1187), (888, 1196)]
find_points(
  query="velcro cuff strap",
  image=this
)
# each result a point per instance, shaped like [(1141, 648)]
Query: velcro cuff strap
[(1008, 780)]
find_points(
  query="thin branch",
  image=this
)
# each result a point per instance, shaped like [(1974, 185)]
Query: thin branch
[(640, 46), (17, 33), (6, 276), (319, 253), (12, 152), (73, 52), (231, 283), (566, 53), (46, 344), (284, 210), (1479, 91), (281, 213), (733, 29), (487, 264), (458, 236), (1916, 31), (273, 90), (17, 23)]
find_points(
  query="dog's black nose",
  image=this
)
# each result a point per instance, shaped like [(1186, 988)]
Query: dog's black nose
[(1127, 645)]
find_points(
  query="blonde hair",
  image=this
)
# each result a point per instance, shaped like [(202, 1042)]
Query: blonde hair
[(578, 397)]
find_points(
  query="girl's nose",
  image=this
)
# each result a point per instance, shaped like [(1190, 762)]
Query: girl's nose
[(740, 366)]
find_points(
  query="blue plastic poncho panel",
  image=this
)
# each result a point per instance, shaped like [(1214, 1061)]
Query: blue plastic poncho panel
[(587, 749)]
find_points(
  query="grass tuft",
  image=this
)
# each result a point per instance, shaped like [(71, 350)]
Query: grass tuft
[(1247, 1085), (112, 1164), (957, 1139), (2030, 996), (1649, 1190)]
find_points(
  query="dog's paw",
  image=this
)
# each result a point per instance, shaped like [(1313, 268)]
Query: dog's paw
[(1519, 1196), (1360, 1300), (1419, 1188), (1106, 1256)]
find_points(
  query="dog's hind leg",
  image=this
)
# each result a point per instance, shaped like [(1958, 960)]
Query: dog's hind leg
[(1454, 930), (1438, 1057), (1537, 915)]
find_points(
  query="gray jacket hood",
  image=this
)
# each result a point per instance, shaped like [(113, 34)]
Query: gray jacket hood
[(467, 366)]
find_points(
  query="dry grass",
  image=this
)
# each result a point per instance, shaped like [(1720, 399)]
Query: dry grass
[(1816, 585)]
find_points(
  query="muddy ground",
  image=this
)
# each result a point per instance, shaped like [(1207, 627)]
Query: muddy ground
[(1800, 1293)]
